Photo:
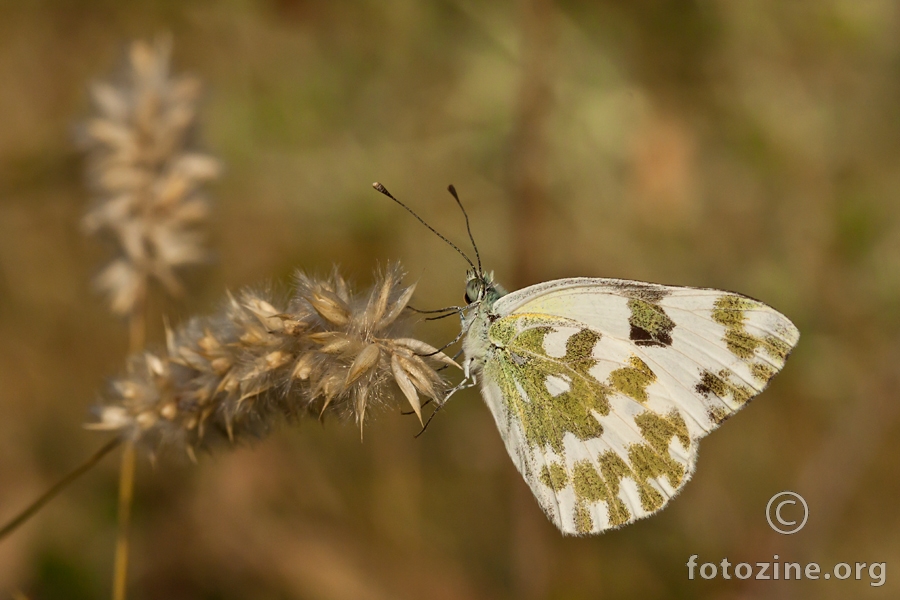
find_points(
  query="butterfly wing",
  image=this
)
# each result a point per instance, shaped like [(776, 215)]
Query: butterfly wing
[(602, 388)]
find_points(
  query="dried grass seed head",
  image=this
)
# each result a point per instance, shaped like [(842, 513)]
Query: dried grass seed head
[(327, 350), (146, 178), (363, 343)]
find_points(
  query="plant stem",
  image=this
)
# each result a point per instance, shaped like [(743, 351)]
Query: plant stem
[(126, 493), (136, 336), (58, 487)]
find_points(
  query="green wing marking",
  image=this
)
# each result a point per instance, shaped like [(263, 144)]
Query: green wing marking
[(521, 367), (521, 362)]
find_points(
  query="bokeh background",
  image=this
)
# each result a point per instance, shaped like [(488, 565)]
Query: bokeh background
[(747, 146)]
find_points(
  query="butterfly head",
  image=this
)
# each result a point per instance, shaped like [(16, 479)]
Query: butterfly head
[(481, 287)]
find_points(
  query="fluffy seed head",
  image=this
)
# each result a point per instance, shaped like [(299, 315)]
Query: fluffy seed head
[(327, 350), (146, 178)]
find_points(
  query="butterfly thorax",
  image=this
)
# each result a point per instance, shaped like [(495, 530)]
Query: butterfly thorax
[(482, 292)]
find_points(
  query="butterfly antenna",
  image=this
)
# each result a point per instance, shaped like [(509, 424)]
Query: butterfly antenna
[(453, 193), (384, 191), (443, 316), (448, 309)]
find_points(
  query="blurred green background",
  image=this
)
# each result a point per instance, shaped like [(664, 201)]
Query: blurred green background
[(747, 146)]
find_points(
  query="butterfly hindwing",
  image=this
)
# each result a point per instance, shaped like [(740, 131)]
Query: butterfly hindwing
[(601, 388)]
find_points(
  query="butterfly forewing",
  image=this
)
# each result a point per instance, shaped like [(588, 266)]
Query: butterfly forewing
[(601, 388)]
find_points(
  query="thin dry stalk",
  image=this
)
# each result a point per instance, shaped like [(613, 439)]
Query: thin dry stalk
[(59, 486), (126, 496), (136, 340)]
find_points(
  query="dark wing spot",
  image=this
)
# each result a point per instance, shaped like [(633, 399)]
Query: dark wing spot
[(650, 325), (642, 337)]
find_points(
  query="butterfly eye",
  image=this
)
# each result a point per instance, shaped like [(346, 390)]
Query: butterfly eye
[(472, 291)]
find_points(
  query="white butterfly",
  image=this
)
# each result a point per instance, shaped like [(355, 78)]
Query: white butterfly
[(602, 388)]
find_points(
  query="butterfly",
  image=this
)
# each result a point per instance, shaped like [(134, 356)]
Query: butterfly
[(602, 388)]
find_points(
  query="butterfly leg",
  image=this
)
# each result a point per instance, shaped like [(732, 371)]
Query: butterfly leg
[(445, 346), (469, 380)]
